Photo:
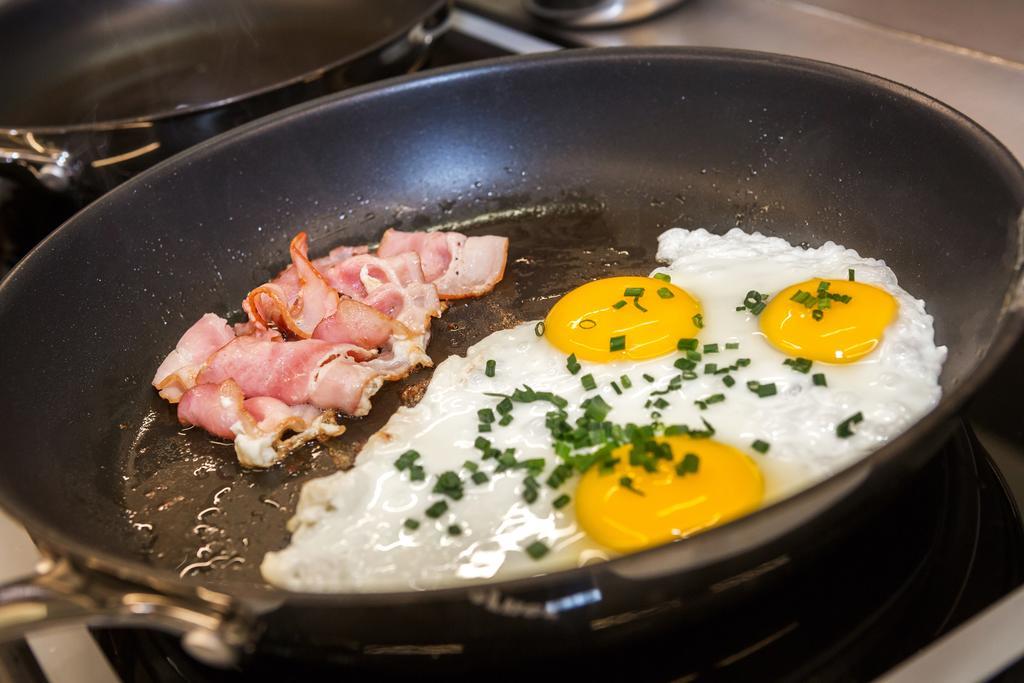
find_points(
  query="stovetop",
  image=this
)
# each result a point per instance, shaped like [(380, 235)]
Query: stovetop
[(913, 572)]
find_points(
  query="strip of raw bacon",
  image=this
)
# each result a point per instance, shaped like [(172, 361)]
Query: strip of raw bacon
[(359, 324), (256, 425), (312, 371), (459, 266), (177, 374), (402, 349), (358, 275), (298, 299)]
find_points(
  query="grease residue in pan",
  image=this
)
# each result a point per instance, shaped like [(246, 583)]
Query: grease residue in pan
[(196, 511)]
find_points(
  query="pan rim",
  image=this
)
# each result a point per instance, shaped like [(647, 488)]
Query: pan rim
[(1009, 330)]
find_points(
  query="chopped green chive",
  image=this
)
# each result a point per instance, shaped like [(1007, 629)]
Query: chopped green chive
[(538, 329), (537, 550), (485, 415), (626, 381), (710, 400), (484, 427), (762, 390), (454, 530), (817, 314), (627, 483), (619, 304), (406, 460), (684, 364), (572, 364), (489, 369), (507, 460), (823, 286), (505, 420), (661, 404), (616, 389), (559, 475), (411, 524), (754, 302), (711, 348), (728, 381), (471, 466), (482, 444), (698, 321), (588, 382), (761, 446), (596, 408), (617, 343), (693, 355), (819, 379), (561, 501), (649, 378), (844, 429), (449, 484), (664, 277), (742, 362), (688, 465), (665, 293), (687, 344), (529, 494), (417, 473), (732, 346), (480, 478), (437, 509), (633, 291), (710, 368), (799, 364), (850, 275)]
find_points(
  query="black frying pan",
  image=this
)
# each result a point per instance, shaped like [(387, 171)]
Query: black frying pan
[(94, 92), (582, 159)]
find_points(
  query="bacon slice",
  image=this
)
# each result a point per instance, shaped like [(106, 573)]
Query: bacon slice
[(312, 371), (356, 323), (298, 299), (256, 425), (356, 318), (177, 374), (357, 276), (459, 266), (402, 349)]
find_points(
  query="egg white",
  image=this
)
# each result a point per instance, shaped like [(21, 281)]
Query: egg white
[(348, 532)]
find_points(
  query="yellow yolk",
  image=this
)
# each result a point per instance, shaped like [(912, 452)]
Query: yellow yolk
[(659, 506), (845, 332), (589, 319)]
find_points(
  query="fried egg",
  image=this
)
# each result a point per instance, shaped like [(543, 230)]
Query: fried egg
[(641, 410)]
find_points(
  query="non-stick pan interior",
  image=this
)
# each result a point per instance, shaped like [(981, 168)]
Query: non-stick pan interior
[(582, 159)]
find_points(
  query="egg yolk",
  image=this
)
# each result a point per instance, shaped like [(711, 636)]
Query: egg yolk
[(629, 509), (606, 320), (841, 333)]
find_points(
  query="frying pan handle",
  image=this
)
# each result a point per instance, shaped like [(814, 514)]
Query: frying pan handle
[(60, 595), (51, 166), (420, 36)]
